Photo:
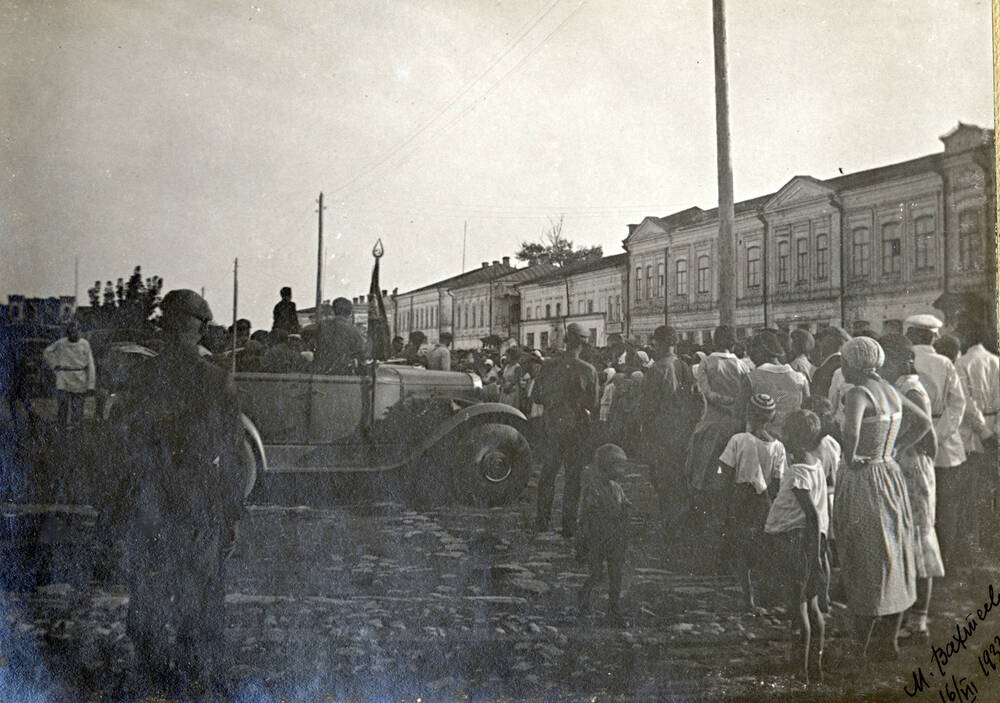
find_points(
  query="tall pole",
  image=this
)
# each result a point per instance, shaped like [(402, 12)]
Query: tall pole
[(727, 241), (236, 267), (465, 233), (76, 283), (319, 260)]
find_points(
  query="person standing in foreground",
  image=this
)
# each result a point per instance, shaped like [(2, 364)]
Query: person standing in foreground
[(567, 389), (940, 379), (340, 347), (798, 520), (603, 535), (871, 511), (180, 439), (76, 375)]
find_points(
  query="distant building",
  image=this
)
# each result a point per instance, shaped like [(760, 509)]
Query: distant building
[(871, 247), (37, 312), (491, 307), (588, 293)]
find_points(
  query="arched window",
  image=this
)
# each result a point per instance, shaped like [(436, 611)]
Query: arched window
[(681, 276), (649, 281), (802, 260), (638, 282), (660, 280), (783, 261)]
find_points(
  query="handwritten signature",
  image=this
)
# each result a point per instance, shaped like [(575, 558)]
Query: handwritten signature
[(956, 688)]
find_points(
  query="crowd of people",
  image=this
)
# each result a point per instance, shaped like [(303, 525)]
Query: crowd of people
[(804, 451)]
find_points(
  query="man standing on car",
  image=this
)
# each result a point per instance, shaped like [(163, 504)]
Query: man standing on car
[(180, 440), (73, 363), (439, 358), (567, 388)]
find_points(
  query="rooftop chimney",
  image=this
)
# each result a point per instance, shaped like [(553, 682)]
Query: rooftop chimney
[(486, 264), (506, 261), (496, 263)]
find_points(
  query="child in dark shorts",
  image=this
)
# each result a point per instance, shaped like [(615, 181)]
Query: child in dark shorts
[(752, 465), (798, 520), (602, 526)]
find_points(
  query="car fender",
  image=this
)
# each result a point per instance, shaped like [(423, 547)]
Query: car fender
[(500, 412)]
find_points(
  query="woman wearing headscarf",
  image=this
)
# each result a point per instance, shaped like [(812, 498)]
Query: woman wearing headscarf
[(917, 465), (871, 511)]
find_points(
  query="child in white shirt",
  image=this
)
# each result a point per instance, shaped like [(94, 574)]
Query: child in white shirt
[(752, 464), (799, 519)]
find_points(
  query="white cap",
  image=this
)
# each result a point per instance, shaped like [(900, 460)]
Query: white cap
[(924, 322)]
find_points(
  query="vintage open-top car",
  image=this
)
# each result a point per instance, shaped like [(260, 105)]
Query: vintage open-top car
[(422, 427)]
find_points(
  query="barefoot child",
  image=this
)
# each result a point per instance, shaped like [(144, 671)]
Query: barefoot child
[(601, 536), (752, 465), (799, 519)]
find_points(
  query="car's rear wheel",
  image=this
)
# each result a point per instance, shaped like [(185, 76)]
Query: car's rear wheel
[(492, 464)]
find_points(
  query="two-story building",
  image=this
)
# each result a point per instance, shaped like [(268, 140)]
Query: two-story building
[(492, 307), (589, 293), (865, 249), (432, 308)]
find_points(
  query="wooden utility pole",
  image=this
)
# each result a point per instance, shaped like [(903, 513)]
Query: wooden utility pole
[(727, 239), (465, 233), (319, 260), (236, 268)]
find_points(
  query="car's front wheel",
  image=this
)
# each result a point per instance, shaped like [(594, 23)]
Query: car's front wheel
[(492, 464)]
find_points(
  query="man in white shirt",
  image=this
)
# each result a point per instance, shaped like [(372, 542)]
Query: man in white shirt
[(72, 362), (979, 372), (941, 381)]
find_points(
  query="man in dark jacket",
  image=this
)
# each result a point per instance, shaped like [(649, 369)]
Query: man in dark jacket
[(285, 315), (567, 388), (181, 436), (827, 350)]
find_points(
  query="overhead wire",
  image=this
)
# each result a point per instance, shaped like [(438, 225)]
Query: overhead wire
[(531, 24)]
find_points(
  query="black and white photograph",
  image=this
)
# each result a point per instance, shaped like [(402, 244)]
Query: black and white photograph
[(499, 350)]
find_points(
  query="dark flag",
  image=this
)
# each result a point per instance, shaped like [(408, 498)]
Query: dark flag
[(378, 322)]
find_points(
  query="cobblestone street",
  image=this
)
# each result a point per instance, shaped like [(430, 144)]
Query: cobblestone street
[(376, 601)]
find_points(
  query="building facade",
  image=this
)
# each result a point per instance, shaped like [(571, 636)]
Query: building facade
[(590, 294), (863, 250)]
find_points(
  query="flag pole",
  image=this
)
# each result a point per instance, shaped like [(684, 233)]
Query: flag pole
[(377, 251)]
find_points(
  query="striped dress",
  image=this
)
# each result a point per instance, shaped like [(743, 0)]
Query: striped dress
[(873, 523)]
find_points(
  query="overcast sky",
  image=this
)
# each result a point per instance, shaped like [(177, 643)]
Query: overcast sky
[(180, 135)]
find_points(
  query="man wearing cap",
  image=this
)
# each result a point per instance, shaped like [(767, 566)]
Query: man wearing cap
[(944, 388), (340, 348), (73, 363), (180, 439), (567, 388)]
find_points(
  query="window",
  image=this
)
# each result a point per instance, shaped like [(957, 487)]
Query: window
[(783, 261), (970, 241), (543, 340), (530, 340), (592, 335), (466, 312), (611, 308), (649, 281), (661, 279), (433, 317), (558, 309), (859, 252), (802, 260), (892, 250), (590, 306), (527, 313), (923, 242), (482, 314), (548, 310), (473, 315), (638, 283), (538, 311), (753, 266), (681, 275), (822, 257), (703, 273)]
